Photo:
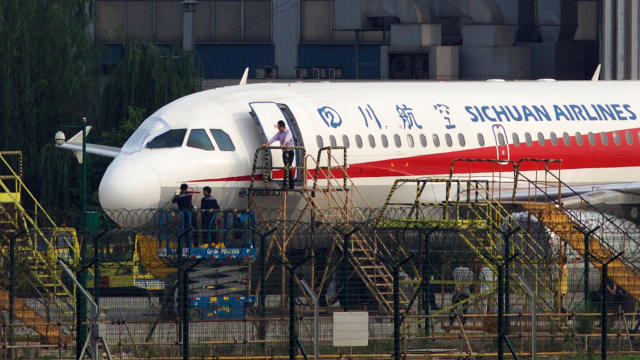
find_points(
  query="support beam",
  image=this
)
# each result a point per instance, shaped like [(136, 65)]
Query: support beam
[(620, 39), (606, 39), (635, 12)]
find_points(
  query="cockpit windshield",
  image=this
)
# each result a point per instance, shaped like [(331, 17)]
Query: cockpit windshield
[(149, 129), (172, 138)]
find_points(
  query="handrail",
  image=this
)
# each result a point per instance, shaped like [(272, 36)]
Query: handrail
[(580, 222), (329, 167), (268, 167)]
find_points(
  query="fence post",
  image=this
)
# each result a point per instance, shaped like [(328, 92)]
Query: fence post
[(12, 295)]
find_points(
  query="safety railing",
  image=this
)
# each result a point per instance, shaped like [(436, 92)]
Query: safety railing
[(268, 168)]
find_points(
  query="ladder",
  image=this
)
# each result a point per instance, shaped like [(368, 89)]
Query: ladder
[(38, 244)]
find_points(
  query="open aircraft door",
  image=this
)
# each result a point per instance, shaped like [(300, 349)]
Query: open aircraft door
[(267, 115), (502, 142)]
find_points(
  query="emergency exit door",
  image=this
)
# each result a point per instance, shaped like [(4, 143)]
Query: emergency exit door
[(502, 142), (267, 115)]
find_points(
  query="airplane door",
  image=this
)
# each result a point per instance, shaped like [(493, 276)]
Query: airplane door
[(267, 115), (501, 141)]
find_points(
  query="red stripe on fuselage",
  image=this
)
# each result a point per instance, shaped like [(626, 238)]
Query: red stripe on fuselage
[(574, 156)]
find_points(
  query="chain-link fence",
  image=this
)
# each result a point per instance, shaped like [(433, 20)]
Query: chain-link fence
[(272, 284)]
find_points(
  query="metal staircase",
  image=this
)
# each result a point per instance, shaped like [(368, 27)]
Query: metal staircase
[(571, 227), (38, 244)]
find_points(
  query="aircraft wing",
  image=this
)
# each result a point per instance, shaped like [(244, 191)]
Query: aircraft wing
[(75, 145)]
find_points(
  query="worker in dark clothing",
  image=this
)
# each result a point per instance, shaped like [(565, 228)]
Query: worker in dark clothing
[(207, 205), (183, 199)]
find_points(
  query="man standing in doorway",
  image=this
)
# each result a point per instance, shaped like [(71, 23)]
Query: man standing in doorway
[(285, 137)]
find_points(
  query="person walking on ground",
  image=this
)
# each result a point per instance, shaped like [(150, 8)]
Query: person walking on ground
[(207, 205), (463, 277), (285, 137)]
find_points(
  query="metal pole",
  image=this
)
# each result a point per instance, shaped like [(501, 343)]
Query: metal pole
[(316, 315), (396, 312), (533, 316), (603, 312), (12, 295), (185, 314), (507, 251), (81, 302), (346, 267), (500, 311), (292, 315), (586, 267)]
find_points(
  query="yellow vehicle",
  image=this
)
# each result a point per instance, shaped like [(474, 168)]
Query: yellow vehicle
[(128, 262)]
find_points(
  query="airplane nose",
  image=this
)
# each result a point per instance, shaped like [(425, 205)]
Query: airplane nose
[(129, 184)]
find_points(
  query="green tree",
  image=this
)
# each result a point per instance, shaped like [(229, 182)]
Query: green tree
[(46, 75)]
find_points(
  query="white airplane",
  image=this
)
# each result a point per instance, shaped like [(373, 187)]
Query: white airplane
[(392, 130)]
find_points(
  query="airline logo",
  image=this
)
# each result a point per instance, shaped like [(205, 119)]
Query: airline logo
[(570, 112)]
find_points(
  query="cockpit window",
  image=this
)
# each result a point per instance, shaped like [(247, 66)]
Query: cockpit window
[(198, 139), (223, 140), (172, 138)]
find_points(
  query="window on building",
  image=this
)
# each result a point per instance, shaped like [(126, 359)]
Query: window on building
[(319, 142), (359, 141), (528, 139), (423, 140), (345, 141), (604, 138), (410, 140), (223, 140), (448, 140), (515, 139), (592, 138), (372, 141), (385, 141), (169, 139), (332, 140), (616, 138), (396, 140), (566, 138), (541, 139), (578, 138), (198, 139), (480, 140), (629, 137), (247, 20), (436, 140)]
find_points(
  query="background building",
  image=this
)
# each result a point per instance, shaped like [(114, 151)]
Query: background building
[(385, 39)]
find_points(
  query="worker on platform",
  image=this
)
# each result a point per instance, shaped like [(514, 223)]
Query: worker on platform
[(463, 277), (183, 200), (207, 206), (285, 137)]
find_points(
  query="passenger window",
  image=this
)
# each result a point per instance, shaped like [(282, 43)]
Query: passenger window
[(423, 140), (528, 139), (385, 141), (396, 139), (345, 141), (480, 140), (629, 137), (172, 138), (516, 139), (359, 141), (332, 140), (603, 138), (410, 140), (501, 139), (198, 139), (592, 138), (461, 140), (616, 138), (578, 138), (541, 139), (554, 139), (319, 142), (372, 141), (436, 140), (448, 140), (566, 138), (223, 140)]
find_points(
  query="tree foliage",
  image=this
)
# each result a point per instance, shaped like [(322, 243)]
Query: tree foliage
[(48, 77)]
